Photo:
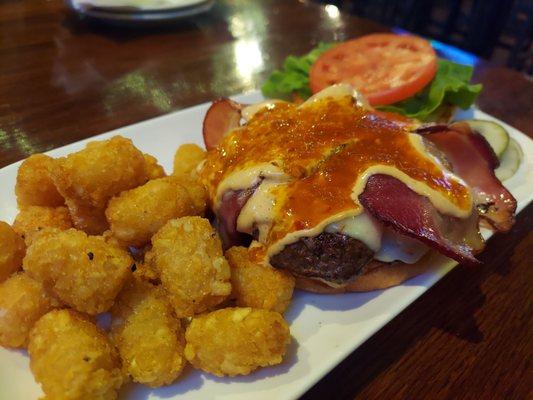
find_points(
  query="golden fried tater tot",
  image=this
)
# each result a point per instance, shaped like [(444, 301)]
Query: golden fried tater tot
[(148, 336), (153, 169), (90, 177), (258, 286), (85, 272), (236, 341), (72, 359), (111, 239), (196, 191), (188, 256), (34, 185), (23, 301), (33, 219), (12, 251), (136, 215), (187, 158)]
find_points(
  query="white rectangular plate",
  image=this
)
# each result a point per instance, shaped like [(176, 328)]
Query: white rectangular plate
[(325, 328)]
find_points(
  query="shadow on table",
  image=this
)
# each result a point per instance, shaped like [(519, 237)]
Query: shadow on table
[(192, 380), (327, 302), (189, 381), (123, 33)]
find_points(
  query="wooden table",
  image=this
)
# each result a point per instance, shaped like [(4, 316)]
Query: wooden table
[(63, 79)]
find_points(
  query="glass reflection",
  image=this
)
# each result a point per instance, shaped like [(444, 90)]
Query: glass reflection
[(250, 21), (248, 59), (140, 85), (332, 11), (5, 143), (17, 139), (333, 21)]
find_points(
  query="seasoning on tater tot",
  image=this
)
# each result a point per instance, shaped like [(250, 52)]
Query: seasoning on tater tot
[(137, 214), (73, 359), (187, 253), (34, 185), (84, 272), (12, 249), (187, 158), (23, 301), (258, 286), (148, 336), (32, 219), (236, 341), (153, 169), (90, 177)]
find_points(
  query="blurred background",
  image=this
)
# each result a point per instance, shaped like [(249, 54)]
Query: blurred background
[(497, 30)]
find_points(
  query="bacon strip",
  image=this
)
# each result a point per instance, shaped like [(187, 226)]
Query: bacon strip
[(222, 117), (474, 161), (395, 205), (230, 207)]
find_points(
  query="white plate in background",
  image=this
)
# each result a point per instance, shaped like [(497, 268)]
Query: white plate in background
[(138, 5), (325, 328), (131, 13)]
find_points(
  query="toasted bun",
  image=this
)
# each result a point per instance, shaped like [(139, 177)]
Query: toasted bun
[(379, 276)]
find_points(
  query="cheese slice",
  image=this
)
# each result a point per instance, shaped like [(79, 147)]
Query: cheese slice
[(362, 227)]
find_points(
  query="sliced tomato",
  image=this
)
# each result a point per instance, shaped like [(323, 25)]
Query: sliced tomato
[(384, 67)]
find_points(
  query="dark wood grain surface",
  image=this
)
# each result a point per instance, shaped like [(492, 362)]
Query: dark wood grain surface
[(63, 79)]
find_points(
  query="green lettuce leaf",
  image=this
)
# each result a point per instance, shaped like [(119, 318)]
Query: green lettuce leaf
[(451, 86), (294, 77)]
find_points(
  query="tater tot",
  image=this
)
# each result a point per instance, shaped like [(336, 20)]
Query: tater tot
[(23, 301), (196, 191), (148, 336), (187, 253), (72, 359), (258, 286), (85, 272), (33, 219), (90, 177), (236, 341), (153, 169), (136, 215), (12, 251), (187, 158), (34, 185)]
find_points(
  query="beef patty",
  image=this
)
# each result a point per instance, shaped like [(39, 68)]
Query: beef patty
[(332, 257)]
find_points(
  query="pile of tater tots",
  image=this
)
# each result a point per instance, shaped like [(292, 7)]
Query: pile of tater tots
[(105, 230)]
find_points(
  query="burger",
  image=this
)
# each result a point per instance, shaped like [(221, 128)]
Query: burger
[(347, 198)]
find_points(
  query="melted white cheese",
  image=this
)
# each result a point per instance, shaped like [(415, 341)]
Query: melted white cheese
[(439, 201), (397, 247), (336, 91), (248, 177), (258, 210), (362, 227), (249, 111)]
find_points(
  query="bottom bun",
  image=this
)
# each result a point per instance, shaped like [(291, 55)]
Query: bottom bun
[(378, 275)]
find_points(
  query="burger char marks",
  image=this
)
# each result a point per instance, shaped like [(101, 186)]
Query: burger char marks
[(332, 257)]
